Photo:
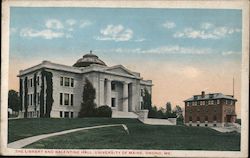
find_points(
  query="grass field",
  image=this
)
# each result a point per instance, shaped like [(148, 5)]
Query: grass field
[(141, 136)]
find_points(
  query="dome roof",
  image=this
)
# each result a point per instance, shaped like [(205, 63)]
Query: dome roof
[(88, 59)]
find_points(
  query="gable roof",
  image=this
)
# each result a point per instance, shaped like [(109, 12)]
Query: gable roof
[(121, 69)]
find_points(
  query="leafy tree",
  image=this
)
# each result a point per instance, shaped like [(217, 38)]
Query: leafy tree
[(179, 114), (88, 105), (147, 103), (103, 111), (178, 111), (13, 100), (153, 112), (168, 107)]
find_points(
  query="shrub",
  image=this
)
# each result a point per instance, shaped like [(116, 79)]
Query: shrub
[(103, 111)]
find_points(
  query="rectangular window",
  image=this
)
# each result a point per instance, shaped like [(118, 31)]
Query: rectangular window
[(113, 86), (72, 82), (71, 114), (66, 99), (66, 82), (113, 102), (218, 101), (31, 83), (61, 114), (71, 99), (66, 114), (206, 102), (198, 102), (195, 103), (31, 99), (61, 81), (61, 99)]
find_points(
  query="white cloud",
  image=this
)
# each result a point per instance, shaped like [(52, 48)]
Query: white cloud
[(207, 25), (175, 49), (115, 33), (140, 40), (206, 31), (46, 34), (226, 53), (85, 23), (71, 22), (54, 24), (169, 25)]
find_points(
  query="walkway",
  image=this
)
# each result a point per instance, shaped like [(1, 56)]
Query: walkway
[(26, 141)]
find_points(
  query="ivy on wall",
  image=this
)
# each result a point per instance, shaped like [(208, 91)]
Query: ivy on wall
[(42, 95), (25, 97), (35, 87), (21, 94), (49, 93)]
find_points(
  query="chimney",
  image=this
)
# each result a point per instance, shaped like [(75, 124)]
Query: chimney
[(202, 94)]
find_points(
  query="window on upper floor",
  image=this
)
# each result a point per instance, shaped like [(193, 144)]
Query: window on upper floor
[(61, 81), (72, 82), (71, 99), (31, 99), (113, 86), (218, 101), (31, 82), (66, 99), (206, 102), (66, 81), (61, 98)]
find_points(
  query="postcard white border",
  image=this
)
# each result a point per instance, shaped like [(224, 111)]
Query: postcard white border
[(201, 4)]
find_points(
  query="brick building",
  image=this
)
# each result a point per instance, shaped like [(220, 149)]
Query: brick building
[(214, 109)]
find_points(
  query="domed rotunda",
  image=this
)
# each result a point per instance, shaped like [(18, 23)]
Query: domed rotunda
[(89, 59)]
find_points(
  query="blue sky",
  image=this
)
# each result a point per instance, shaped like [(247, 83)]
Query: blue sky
[(192, 41)]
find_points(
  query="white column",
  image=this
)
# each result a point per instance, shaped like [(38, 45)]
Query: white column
[(108, 93), (125, 97), (101, 92)]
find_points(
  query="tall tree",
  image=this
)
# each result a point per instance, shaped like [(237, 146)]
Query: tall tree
[(168, 107), (178, 111), (13, 100), (88, 97), (147, 103)]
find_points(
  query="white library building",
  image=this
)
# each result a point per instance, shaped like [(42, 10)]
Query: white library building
[(55, 90)]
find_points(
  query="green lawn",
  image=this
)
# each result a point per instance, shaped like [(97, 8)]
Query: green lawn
[(141, 136)]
